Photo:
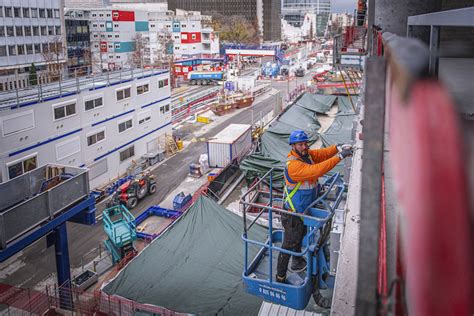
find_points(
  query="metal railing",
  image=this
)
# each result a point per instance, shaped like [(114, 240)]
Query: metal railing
[(420, 112), (321, 201), (71, 85)]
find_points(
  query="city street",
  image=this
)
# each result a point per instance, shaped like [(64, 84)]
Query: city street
[(34, 265)]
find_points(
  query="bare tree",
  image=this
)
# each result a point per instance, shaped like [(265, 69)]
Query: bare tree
[(164, 49), (95, 57), (136, 59), (234, 29), (52, 53)]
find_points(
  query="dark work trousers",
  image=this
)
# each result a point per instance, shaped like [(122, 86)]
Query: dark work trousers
[(295, 231)]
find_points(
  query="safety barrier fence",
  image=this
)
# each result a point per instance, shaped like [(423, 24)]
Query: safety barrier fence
[(66, 300)]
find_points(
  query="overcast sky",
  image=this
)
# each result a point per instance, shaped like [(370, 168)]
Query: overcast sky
[(343, 6)]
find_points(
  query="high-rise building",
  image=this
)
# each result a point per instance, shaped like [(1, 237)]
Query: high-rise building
[(78, 41), (265, 14), (294, 11), (30, 32)]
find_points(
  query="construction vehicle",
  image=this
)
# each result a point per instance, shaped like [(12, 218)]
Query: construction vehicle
[(205, 77), (259, 274), (299, 72), (120, 228), (133, 190)]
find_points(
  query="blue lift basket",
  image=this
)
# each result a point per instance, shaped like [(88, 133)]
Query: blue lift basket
[(259, 275)]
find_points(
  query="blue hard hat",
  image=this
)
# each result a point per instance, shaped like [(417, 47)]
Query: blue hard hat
[(297, 136)]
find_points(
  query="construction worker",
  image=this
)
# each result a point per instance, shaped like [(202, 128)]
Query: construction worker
[(303, 168)]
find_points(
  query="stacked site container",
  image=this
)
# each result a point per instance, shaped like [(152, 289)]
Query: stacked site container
[(229, 145)]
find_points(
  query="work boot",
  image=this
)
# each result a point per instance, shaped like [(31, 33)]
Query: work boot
[(280, 279), (298, 264), (320, 300)]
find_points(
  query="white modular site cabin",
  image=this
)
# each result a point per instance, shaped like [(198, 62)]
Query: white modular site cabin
[(103, 122)]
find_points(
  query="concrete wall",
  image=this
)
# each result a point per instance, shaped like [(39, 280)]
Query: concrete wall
[(392, 16)]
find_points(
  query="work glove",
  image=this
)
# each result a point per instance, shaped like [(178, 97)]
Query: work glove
[(345, 153), (341, 146)]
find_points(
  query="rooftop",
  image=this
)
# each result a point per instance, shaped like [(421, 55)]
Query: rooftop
[(70, 86)]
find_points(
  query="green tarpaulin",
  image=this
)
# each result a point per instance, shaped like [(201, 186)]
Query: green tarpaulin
[(195, 267), (340, 131), (319, 103), (274, 142), (302, 115), (344, 105)]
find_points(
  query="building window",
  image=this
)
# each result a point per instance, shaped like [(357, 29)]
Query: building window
[(29, 49), (144, 117), (183, 25), (36, 30), (1, 14), (56, 13), (123, 94), (193, 36), (143, 89), (42, 13), (12, 50), (21, 49), (45, 47), (18, 168), (43, 30), (10, 31), (163, 83), (63, 111), (127, 153), (34, 12), (17, 12), (117, 46), (3, 51), (50, 13), (96, 138), (94, 15), (26, 12), (117, 35), (37, 48), (8, 12), (94, 103), (124, 126), (2, 31), (164, 109), (19, 30), (50, 30), (57, 30), (27, 30)]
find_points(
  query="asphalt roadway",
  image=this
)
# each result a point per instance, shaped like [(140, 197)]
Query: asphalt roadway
[(36, 263)]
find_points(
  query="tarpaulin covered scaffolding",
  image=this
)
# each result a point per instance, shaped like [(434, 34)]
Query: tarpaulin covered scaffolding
[(301, 115), (195, 267)]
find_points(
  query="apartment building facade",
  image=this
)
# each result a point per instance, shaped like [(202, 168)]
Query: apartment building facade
[(31, 31), (124, 38), (183, 34), (108, 122)]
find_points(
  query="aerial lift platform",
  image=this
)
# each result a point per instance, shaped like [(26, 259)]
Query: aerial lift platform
[(119, 225), (259, 275)]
